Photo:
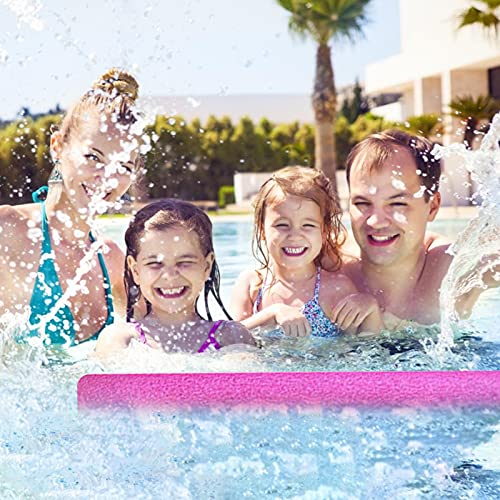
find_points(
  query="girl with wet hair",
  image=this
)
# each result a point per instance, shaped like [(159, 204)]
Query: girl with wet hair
[(299, 285), (51, 263), (170, 262)]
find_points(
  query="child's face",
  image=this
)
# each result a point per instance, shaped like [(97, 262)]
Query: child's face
[(97, 161), (171, 271), (293, 231)]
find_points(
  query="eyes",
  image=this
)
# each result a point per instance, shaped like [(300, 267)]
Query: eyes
[(364, 204), (123, 168), (285, 225), (92, 157), (183, 264)]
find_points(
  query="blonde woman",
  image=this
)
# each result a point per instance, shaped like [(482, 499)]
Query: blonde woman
[(49, 258)]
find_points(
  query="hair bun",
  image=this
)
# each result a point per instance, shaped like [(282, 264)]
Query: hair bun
[(118, 82)]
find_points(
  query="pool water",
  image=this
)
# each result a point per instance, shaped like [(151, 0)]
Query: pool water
[(50, 450)]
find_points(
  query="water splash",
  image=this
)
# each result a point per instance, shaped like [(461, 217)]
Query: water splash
[(27, 12), (476, 250)]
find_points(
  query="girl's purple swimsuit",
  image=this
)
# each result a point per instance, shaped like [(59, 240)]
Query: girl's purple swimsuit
[(210, 341)]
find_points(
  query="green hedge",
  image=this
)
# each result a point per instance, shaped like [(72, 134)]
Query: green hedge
[(192, 161), (226, 196)]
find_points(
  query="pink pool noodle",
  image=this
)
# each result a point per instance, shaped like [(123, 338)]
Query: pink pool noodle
[(326, 389)]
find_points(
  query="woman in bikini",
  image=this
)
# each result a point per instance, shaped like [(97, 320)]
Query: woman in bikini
[(53, 268)]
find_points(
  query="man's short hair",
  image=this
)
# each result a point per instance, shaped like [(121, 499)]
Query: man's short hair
[(377, 148)]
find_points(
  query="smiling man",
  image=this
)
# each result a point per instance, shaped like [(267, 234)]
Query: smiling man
[(394, 180)]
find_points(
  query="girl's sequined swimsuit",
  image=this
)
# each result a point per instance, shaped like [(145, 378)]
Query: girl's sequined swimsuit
[(321, 324)]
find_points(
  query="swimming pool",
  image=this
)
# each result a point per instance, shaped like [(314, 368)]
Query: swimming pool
[(48, 449)]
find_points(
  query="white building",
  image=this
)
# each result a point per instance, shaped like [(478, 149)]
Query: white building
[(438, 62)]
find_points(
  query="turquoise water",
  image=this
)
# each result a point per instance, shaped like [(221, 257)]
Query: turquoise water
[(50, 450)]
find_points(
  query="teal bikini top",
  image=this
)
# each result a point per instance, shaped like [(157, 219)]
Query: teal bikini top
[(59, 327)]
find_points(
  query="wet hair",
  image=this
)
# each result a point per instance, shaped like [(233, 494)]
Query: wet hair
[(377, 148), (161, 215), (311, 184), (114, 94)]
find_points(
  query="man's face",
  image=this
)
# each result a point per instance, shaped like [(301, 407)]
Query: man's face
[(389, 212)]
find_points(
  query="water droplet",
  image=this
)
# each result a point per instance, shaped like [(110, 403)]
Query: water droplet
[(4, 56)]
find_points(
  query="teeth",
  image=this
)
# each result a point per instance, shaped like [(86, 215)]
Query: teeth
[(294, 250), (382, 238), (171, 291), (91, 192)]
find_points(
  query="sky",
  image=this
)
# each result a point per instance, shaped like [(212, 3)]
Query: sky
[(52, 50)]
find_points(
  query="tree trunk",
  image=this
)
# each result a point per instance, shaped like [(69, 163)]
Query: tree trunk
[(324, 102), (469, 132), (469, 136)]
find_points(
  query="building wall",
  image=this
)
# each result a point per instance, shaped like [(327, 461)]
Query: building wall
[(438, 62), (431, 44)]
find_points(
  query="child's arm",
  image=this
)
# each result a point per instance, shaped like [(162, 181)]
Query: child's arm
[(114, 339), (241, 301), (291, 320), (233, 332)]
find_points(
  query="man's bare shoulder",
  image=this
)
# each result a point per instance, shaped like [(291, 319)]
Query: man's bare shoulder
[(435, 240), (439, 256), (331, 277), (351, 267), (335, 285)]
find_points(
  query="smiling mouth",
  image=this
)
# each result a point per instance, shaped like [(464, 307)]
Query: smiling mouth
[(91, 193), (171, 293), (382, 241), (294, 251)]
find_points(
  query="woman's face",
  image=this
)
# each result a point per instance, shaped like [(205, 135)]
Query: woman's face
[(97, 162)]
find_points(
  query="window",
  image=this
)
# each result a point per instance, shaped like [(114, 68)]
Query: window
[(494, 82)]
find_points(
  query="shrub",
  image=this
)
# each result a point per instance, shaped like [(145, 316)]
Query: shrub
[(226, 196)]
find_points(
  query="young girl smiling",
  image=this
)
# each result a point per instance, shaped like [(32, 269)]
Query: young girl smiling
[(170, 262), (297, 240)]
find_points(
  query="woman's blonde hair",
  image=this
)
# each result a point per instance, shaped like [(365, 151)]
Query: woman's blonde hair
[(114, 93), (311, 184)]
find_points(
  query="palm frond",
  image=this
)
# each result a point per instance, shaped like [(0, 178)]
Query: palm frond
[(489, 18), (323, 20), (482, 107)]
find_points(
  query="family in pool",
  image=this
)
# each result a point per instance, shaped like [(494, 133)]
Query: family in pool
[(77, 287)]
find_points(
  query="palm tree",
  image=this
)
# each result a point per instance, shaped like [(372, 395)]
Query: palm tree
[(427, 125), (474, 111), (488, 16), (324, 20)]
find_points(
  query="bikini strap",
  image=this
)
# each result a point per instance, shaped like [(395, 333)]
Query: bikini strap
[(211, 340), (46, 245), (257, 302), (107, 284), (317, 284), (38, 195), (140, 331), (260, 294)]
